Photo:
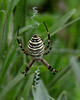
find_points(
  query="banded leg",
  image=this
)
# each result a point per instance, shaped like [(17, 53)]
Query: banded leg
[(28, 67), (45, 53), (49, 43), (20, 43), (54, 71)]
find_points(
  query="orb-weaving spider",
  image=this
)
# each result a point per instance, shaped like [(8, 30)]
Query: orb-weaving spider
[(37, 50)]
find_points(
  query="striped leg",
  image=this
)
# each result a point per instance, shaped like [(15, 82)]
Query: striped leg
[(54, 71), (20, 43), (45, 53), (49, 43), (28, 67)]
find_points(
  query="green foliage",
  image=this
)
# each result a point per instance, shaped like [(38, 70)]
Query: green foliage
[(64, 28)]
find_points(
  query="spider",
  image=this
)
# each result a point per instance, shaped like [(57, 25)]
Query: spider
[(37, 49)]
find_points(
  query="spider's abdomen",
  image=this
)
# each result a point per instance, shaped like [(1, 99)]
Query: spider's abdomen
[(36, 46)]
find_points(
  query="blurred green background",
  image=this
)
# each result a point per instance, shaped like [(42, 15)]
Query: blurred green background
[(63, 20)]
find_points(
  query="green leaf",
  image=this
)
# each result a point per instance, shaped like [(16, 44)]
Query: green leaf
[(25, 93), (12, 94), (10, 85), (9, 59), (2, 16), (7, 22), (76, 68), (63, 96), (59, 25)]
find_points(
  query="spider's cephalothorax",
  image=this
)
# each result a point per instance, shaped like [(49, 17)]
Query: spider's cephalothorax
[(36, 47), (37, 50)]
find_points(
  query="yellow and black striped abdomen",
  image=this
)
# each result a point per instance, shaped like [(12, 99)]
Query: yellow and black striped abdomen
[(36, 47)]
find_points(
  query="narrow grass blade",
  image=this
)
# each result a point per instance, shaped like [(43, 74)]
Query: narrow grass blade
[(27, 88), (10, 56), (10, 85), (61, 22), (11, 95), (66, 25), (2, 16), (76, 68), (59, 76), (25, 28), (63, 96), (7, 22)]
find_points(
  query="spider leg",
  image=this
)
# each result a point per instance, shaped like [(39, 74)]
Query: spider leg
[(28, 67), (49, 43), (54, 71), (45, 53), (20, 43)]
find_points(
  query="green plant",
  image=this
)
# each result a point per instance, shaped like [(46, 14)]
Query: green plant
[(65, 39)]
